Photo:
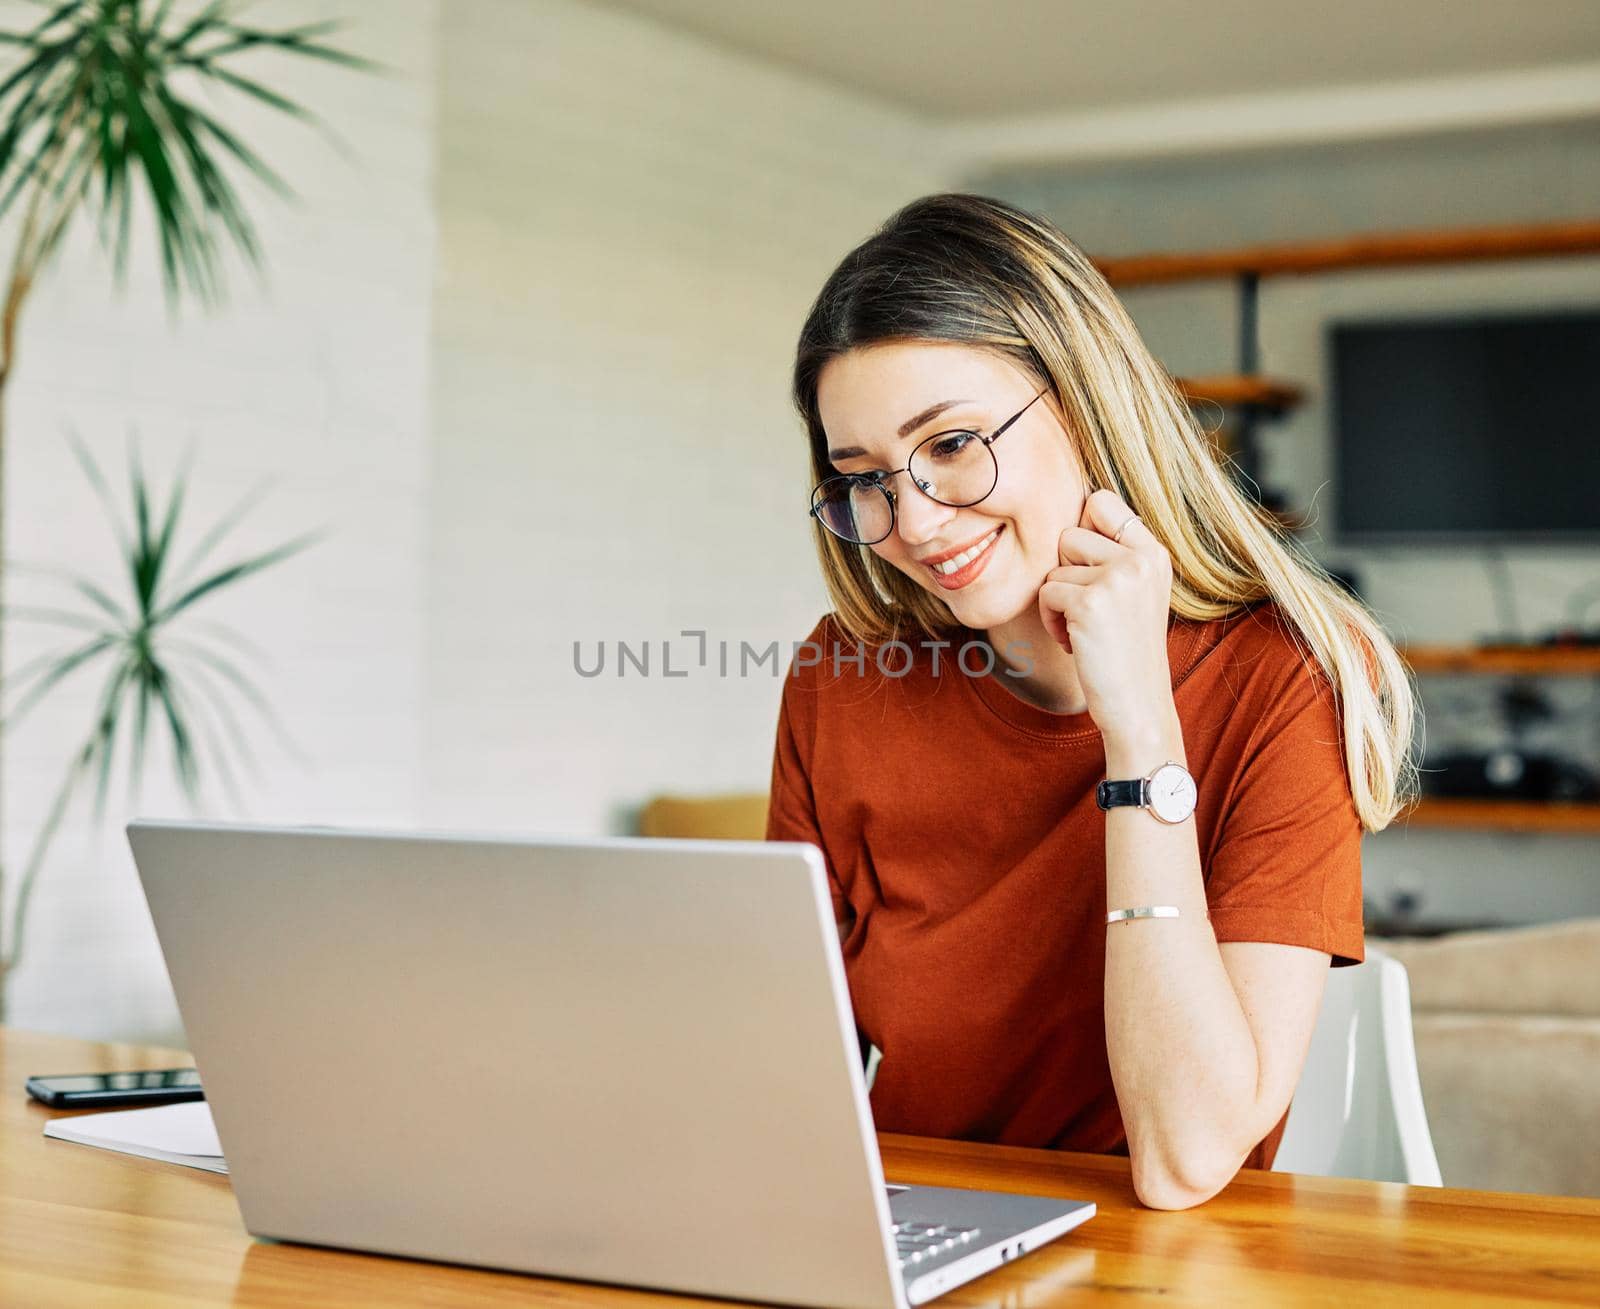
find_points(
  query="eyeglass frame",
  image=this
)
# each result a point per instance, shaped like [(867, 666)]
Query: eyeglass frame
[(879, 478)]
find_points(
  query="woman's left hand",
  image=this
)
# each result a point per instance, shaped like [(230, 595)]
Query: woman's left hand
[(1107, 604)]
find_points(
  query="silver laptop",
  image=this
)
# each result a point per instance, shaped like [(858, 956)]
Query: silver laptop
[(625, 1061)]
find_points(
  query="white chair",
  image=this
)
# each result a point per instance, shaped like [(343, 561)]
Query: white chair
[(1358, 1109)]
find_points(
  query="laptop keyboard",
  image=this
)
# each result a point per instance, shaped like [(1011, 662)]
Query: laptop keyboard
[(917, 1242)]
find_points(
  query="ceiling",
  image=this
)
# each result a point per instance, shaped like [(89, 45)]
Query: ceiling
[(957, 60)]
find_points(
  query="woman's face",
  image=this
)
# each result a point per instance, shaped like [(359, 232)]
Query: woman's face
[(868, 397)]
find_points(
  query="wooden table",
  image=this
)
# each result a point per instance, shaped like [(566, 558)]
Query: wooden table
[(85, 1227)]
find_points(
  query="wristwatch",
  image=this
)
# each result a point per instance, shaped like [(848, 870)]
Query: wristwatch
[(1168, 793)]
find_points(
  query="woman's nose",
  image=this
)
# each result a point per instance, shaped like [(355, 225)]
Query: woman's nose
[(919, 518)]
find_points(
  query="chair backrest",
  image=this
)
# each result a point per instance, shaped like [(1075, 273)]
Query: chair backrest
[(741, 816), (1358, 1109)]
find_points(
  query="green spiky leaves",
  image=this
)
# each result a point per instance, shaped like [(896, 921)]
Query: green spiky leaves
[(102, 106)]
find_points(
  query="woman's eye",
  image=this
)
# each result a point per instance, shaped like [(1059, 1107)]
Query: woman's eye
[(950, 445)]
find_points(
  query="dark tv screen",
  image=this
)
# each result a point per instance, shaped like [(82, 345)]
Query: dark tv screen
[(1468, 428)]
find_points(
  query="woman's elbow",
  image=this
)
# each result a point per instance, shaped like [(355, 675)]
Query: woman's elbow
[(1180, 1183)]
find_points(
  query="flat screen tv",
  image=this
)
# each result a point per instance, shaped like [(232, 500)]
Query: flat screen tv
[(1467, 429)]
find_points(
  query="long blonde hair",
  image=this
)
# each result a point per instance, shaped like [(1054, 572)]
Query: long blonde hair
[(975, 270)]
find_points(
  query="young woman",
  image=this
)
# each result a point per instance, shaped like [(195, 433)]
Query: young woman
[(1044, 580)]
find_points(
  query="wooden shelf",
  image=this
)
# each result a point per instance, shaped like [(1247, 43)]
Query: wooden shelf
[(1231, 391), (1373, 251), (1528, 661), (1253, 397), (1505, 815)]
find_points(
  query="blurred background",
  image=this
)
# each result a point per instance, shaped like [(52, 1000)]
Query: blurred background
[(517, 353)]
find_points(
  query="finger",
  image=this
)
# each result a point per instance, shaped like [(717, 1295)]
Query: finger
[(1062, 597), (1079, 574), (1056, 625), (1057, 602), (1108, 513), (1103, 511), (1082, 545)]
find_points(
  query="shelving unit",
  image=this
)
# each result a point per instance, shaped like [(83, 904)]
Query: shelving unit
[(1505, 815), (1505, 661), (1509, 661), (1231, 390), (1247, 395), (1374, 250), (1251, 398)]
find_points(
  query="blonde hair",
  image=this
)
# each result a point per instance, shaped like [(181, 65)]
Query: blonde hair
[(975, 270)]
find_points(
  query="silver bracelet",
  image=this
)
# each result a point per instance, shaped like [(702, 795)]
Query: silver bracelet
[(1148, 911)]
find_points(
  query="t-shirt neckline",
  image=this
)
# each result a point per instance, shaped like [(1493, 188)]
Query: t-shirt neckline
[(1183, 636)]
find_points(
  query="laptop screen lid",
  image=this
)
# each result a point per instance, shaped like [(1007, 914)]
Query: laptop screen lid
[(619, 1060)]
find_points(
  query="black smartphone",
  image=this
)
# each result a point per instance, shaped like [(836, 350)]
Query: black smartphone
[(108, 1090)]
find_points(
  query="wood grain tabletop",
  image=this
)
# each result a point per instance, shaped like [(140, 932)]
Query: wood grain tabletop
[(87, 1228)]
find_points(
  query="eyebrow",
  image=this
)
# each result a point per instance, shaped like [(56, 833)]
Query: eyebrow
[(906, 429)]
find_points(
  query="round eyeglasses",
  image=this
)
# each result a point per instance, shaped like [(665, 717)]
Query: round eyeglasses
[(955, 468)]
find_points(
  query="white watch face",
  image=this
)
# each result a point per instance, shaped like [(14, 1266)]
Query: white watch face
[(1172, 793)]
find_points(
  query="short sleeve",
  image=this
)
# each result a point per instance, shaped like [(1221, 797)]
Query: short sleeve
[(791, 807), (1286, 867)]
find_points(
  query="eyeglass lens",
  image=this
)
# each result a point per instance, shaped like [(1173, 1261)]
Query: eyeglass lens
[(954, 468)]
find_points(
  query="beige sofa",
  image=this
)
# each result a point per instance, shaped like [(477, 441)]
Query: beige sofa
[(1508, 1048)]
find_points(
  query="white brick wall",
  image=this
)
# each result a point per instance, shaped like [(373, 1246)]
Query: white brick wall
[(632, 226)]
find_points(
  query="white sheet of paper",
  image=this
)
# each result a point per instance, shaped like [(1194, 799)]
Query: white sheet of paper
[(174, 1133)]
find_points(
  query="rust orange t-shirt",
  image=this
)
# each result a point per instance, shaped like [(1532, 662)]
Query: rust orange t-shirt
[(960, 831)]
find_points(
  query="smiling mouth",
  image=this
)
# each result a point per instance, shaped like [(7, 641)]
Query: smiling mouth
[(957, 562), (958, 570)]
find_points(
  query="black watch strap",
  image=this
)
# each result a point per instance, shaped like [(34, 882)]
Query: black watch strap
[(1108, 795)]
